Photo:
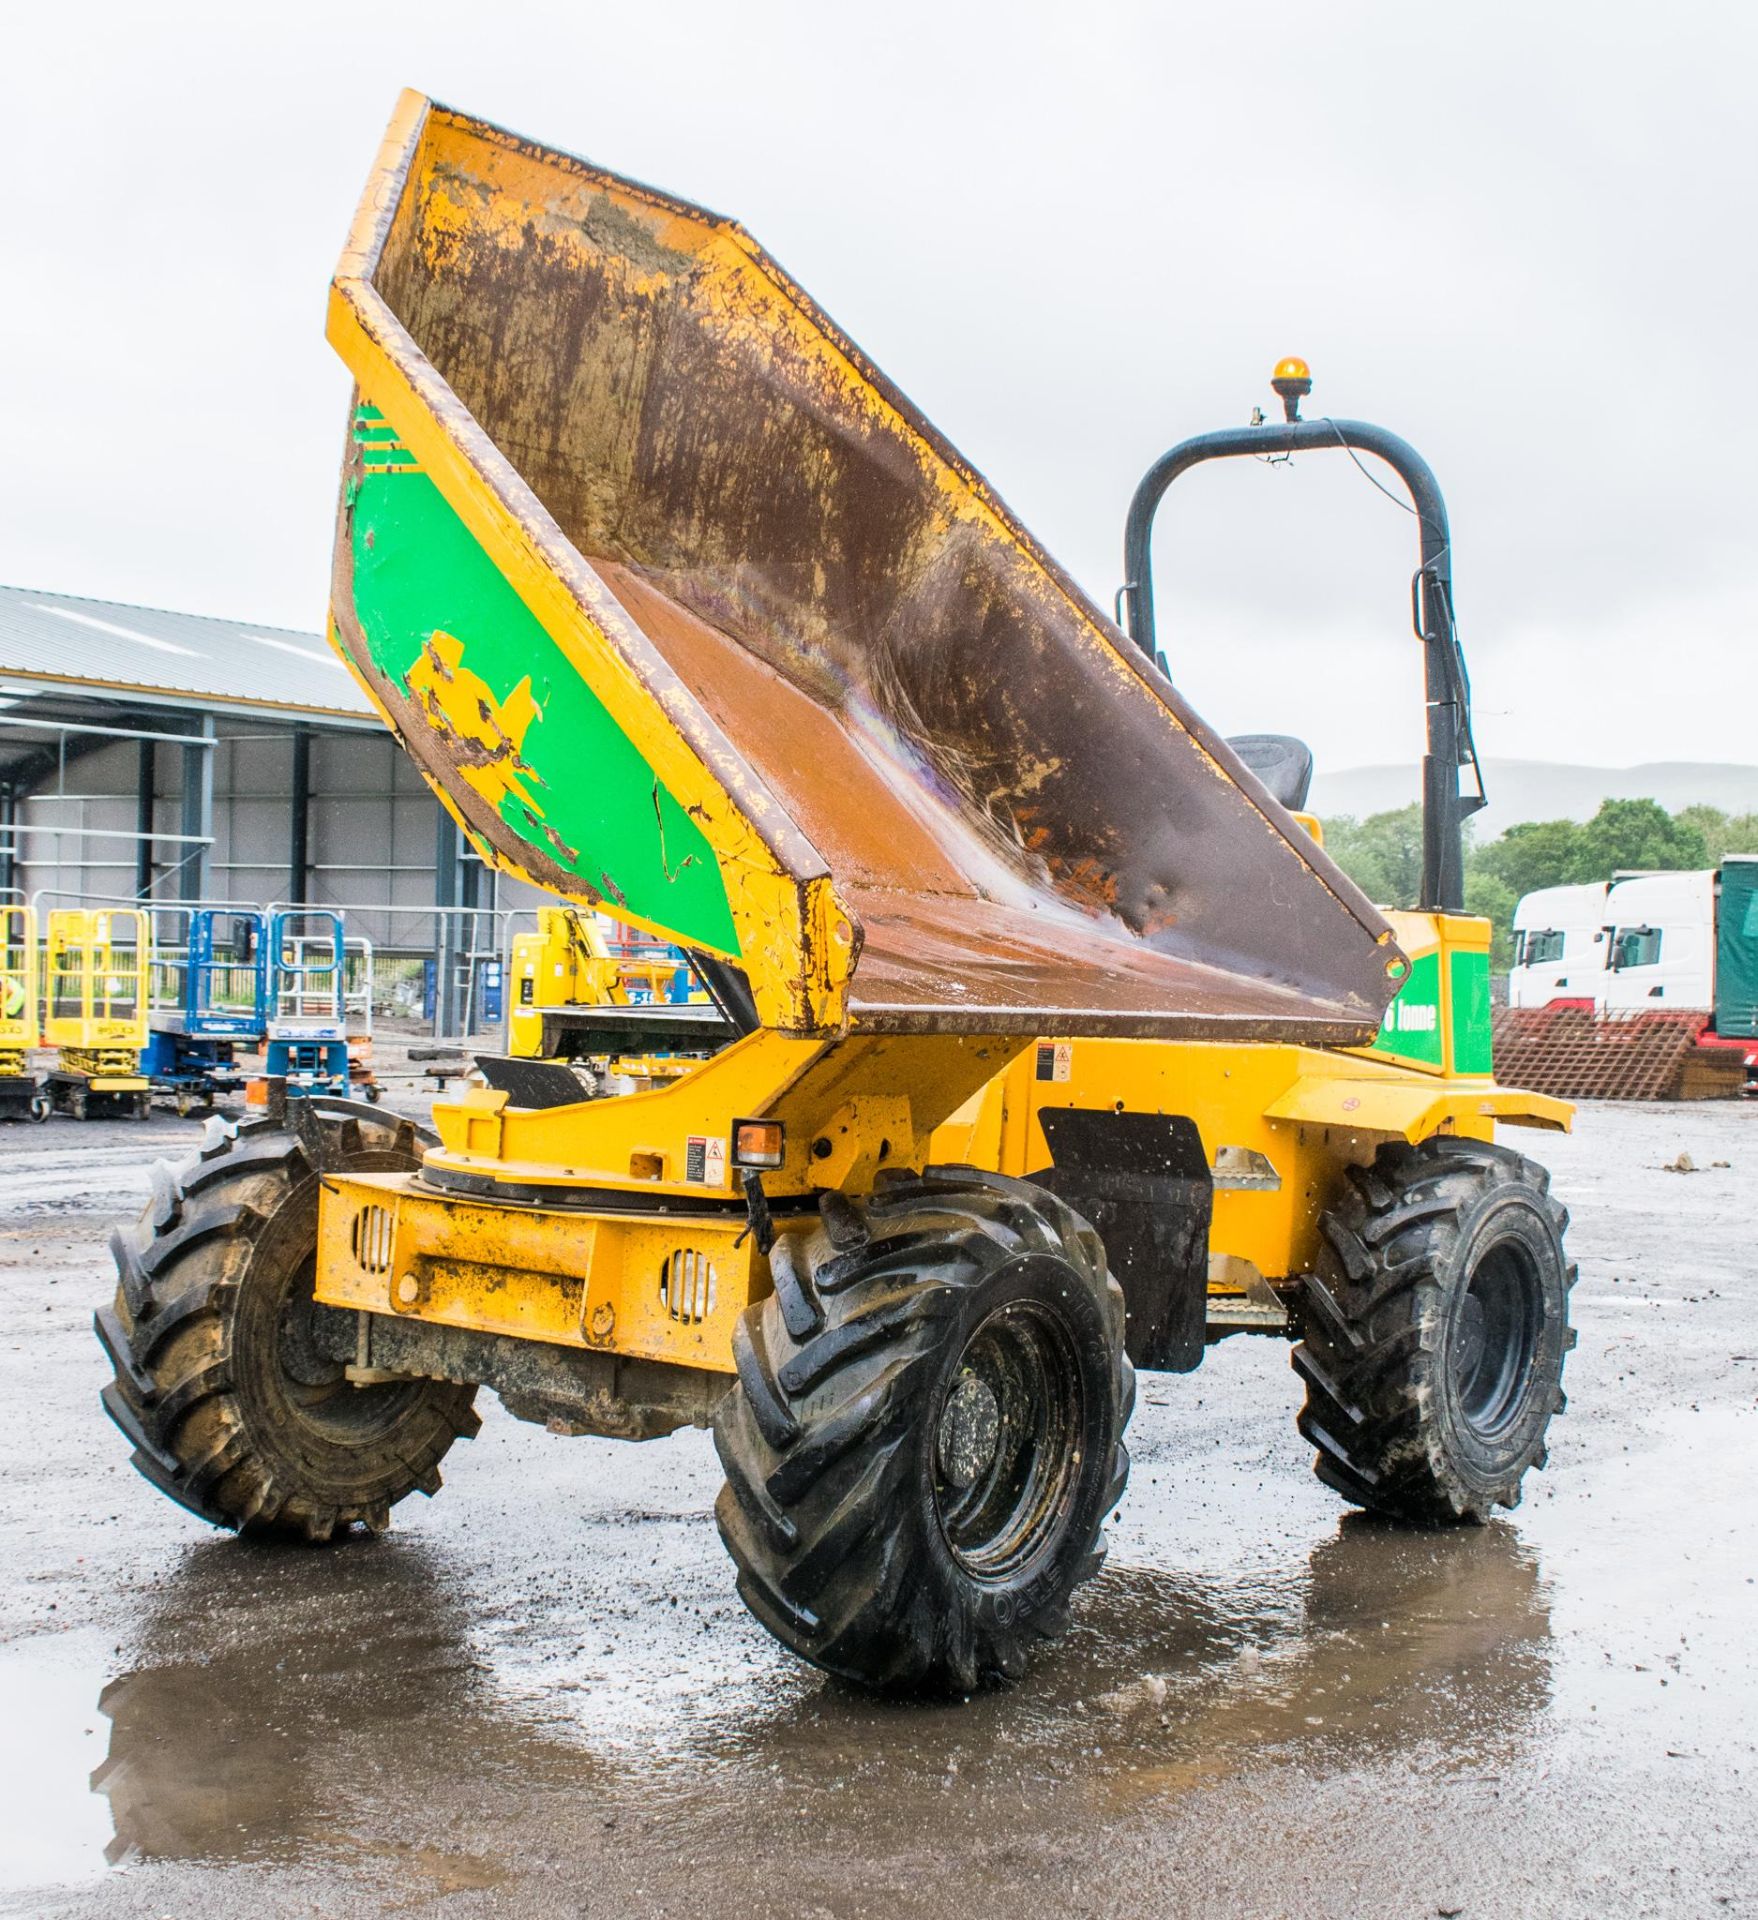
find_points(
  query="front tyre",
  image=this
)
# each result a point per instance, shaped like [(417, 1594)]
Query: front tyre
[(1436, 1326), (926, 1434), (226, 1383)]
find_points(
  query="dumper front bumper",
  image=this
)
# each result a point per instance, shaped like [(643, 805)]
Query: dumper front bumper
[(663, 1284)]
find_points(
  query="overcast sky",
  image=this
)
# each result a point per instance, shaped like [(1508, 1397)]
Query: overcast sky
[(1521, 235)]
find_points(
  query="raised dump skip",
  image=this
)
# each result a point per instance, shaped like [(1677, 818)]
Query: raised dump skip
[(686, 611)]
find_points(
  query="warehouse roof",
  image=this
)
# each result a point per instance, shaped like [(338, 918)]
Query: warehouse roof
[(69, 642)]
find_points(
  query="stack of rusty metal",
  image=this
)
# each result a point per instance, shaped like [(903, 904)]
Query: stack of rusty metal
[(1713, 1073), (1574, 1053)]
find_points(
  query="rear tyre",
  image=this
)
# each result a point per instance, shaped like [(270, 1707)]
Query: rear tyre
[(1436, 1327), (224, 1385), (926, 1434)]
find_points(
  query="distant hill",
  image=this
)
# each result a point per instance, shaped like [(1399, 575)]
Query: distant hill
[(1546, 790)]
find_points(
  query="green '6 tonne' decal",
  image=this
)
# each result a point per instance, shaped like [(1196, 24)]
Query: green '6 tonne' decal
[(1413, 1027)]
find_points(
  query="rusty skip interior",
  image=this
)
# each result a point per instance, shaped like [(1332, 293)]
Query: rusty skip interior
[(1025, 821)]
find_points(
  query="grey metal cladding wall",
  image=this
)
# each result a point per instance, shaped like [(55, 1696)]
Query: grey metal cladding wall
[(373, 824), (373, 828)]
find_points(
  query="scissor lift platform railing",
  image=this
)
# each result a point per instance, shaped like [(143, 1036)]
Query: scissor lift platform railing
[(22, 1096)]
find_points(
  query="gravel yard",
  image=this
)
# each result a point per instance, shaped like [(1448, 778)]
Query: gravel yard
[(540, 1695)]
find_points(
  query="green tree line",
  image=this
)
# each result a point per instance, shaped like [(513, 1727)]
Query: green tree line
[(1383, 854)]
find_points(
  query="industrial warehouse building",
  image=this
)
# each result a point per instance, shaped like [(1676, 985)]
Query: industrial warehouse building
[(148, 756)]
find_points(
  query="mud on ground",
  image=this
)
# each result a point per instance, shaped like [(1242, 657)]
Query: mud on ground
[(540, 1696)]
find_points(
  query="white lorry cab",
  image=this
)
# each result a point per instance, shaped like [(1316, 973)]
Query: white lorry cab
[(1650, 941), (1661, 941), (1560, 940)]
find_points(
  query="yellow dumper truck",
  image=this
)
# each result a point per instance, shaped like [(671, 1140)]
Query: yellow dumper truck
[(1045, 1041)]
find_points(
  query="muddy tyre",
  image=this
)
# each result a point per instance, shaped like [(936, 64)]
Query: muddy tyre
[(234, 1404), (927, 1432), (1435, 1330)]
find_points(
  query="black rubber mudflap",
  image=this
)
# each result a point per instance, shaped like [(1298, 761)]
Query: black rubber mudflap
[(1142, 1181)]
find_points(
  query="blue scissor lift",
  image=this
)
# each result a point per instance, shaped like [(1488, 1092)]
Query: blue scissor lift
[(191, 1051), (308, 1024)]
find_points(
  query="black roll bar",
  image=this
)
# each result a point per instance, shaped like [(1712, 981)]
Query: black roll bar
[(1447, 688)]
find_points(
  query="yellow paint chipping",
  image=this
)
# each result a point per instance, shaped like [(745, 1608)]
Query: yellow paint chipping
[(460, 704)]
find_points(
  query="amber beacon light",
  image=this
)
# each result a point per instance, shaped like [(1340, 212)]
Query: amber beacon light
[(1293, 381)]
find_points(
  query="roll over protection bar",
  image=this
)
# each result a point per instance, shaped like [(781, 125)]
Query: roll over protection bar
[(1447, 688)]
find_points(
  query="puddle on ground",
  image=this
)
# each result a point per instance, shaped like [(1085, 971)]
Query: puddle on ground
[(52, 1829), (405, 1704), (384, 1686)]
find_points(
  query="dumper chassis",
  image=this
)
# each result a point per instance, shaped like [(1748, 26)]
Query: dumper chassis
[(1047, 1043)]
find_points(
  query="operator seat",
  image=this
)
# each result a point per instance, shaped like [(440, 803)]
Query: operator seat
[(1281, 762)]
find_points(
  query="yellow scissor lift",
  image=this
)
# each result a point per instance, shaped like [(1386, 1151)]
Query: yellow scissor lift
[(565, 975), (98, 1011), (22, 1095), (689, 617)]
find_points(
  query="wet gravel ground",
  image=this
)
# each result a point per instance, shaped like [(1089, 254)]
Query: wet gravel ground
[(540, 1696)]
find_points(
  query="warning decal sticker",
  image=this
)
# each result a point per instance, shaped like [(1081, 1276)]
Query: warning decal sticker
[(705, 1160), (1055, 1059)]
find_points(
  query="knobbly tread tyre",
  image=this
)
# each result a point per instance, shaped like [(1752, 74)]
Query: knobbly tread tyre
[(829, 1437), (197, 1355), (1382, 1412)]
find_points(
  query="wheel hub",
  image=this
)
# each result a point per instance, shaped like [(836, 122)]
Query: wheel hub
[(313, 1383), (1007, 1447), (303, 1360), (1494, 1340), (1470, 1337), (970, 1431)]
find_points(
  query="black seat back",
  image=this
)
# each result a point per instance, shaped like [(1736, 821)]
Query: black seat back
[(1281, 762)]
